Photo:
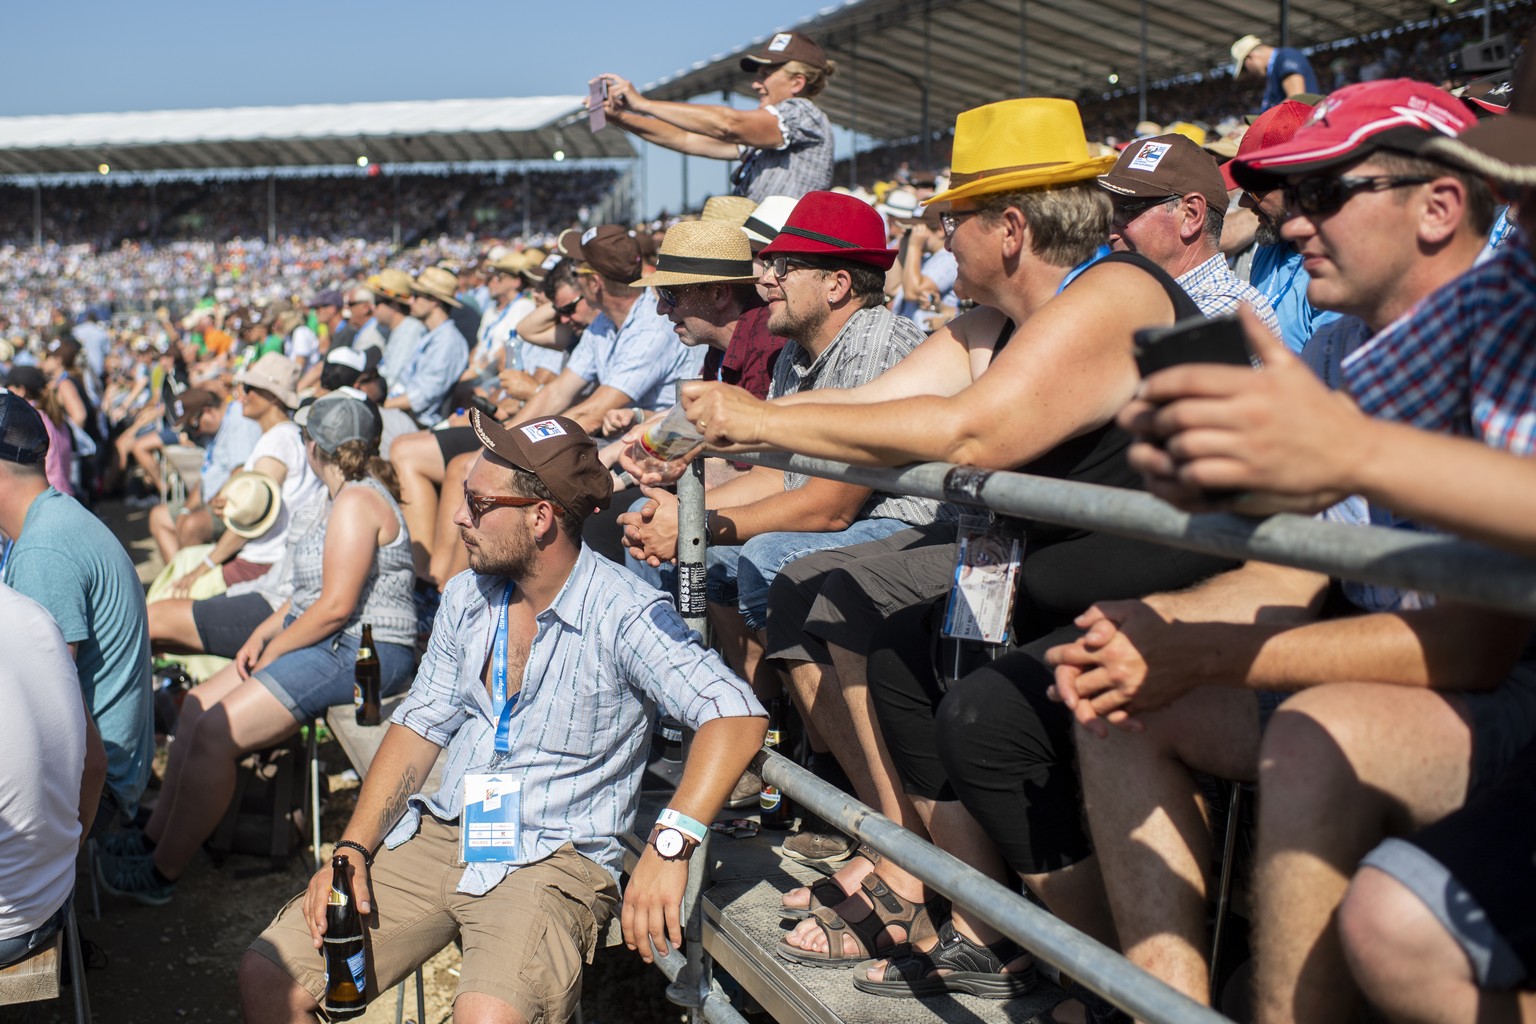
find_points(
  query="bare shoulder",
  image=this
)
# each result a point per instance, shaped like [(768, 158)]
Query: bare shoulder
[(361, 503)]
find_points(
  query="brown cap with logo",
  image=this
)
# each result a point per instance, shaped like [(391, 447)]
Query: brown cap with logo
[(783, 48), (558, 452), (610, 250), (1166, 165)]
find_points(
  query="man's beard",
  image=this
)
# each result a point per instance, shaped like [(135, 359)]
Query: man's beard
[(798, 326), (1267, 232), (514, 559)]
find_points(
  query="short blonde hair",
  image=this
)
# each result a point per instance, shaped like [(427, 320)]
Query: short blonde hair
[(1067, 222), (816, 79)]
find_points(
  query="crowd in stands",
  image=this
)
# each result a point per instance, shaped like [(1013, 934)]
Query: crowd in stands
[(460, 456), (106, 215)]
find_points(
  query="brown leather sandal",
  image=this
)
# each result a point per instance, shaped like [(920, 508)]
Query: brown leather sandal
[(826, 892), (889, 911)]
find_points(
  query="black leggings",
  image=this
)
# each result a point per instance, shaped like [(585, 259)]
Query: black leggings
[(994, 740)]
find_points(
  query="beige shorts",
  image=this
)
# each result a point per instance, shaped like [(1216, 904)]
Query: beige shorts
[(524, 941)]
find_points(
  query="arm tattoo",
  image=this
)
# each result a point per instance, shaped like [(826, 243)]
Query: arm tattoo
[(397, 803)]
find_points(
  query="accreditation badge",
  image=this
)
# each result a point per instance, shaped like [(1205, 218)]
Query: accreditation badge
[(986, 578), (492, 820)]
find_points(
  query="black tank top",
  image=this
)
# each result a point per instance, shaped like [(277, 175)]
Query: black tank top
[(1098, 456)]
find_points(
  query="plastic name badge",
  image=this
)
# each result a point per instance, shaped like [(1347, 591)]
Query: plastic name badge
[(985, 583), (492, 819)]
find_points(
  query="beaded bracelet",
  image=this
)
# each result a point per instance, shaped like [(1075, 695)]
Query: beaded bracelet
[(360, 848)]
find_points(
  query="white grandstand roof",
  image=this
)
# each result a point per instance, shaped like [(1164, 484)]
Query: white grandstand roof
[(432, 131)]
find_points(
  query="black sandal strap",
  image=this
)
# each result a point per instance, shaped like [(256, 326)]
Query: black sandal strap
[(958, 953)]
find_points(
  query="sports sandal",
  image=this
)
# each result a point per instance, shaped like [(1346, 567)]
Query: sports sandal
[(890, 911), (974, 970), (826, 892)]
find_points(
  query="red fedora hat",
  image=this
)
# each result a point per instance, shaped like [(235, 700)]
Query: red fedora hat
[(833, 226)]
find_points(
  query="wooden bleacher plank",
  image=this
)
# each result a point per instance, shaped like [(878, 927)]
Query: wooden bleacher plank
[(361, 742), (33, 979)]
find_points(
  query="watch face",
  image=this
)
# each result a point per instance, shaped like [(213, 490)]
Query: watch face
[(669, 842)]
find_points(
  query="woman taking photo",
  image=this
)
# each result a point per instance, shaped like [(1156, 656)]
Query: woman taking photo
[(353, 567), (785, 145)]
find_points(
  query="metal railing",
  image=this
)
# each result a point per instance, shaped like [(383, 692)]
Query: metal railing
[(1405, 559)]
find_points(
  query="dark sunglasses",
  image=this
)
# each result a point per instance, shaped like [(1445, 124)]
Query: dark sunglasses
[(1317, 197), (671, 296), (568, 310), (1126, 211), (480, 504)]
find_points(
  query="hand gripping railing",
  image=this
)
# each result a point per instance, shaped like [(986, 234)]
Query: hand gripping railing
[(1398, 558)]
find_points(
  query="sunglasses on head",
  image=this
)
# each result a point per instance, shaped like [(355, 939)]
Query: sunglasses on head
[(1324, 195)]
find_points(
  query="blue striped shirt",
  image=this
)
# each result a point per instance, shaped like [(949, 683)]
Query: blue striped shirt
[(608, 651)]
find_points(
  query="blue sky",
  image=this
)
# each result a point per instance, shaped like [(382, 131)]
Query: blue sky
[(176, 54)]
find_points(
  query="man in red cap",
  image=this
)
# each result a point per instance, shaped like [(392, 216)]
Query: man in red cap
[(1386, 229), (542, 679), (1276, 270), (825, 286)]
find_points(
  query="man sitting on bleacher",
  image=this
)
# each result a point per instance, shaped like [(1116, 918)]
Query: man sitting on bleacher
[(53, 763), (545, 666), (1417, 715), (65, 559)]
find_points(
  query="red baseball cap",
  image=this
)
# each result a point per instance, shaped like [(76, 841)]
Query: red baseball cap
[(1396, 114), (1276, 125), (831, 224)]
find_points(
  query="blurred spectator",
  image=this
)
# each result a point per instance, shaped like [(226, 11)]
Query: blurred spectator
[(66, 560)]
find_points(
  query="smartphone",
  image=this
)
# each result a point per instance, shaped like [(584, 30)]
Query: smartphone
[(1194, 339), (597, 95)]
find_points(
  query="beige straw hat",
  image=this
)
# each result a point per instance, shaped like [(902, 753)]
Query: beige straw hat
[(698, 252), (252, 502), (437, 283)]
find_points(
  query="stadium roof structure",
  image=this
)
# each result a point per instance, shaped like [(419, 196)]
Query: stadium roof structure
[(432, 131), (892, 55)]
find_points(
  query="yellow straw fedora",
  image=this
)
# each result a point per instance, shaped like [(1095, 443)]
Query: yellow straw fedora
[(1018, 144)]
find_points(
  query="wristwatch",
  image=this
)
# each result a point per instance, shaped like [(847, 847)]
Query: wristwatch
[(672, 843)]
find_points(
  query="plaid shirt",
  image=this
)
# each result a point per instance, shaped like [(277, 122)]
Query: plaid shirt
[(802, 164), (1462, 362), (1217, 291), (608, 652), (872, 341)]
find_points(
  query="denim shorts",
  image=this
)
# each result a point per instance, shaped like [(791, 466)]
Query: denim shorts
[(740, 574), (18, 947), (313, 678)]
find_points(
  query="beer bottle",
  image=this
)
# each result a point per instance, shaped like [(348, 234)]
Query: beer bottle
[(346, 961), (365, 685), (773, 806)]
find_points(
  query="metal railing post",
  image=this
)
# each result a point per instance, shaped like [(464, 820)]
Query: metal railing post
[(692, 602)]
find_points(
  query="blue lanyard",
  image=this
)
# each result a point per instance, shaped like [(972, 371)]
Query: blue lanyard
[(10, 545), (485, 332), (1072, 274), (501, 704)]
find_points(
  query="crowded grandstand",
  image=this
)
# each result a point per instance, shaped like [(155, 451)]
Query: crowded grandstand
[(603, 501)]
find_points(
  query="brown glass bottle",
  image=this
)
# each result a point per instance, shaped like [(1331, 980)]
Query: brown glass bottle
[(773, 806), (346, 960), (366, 680)]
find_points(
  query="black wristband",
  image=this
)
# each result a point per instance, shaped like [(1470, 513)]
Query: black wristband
[(360, 848)]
